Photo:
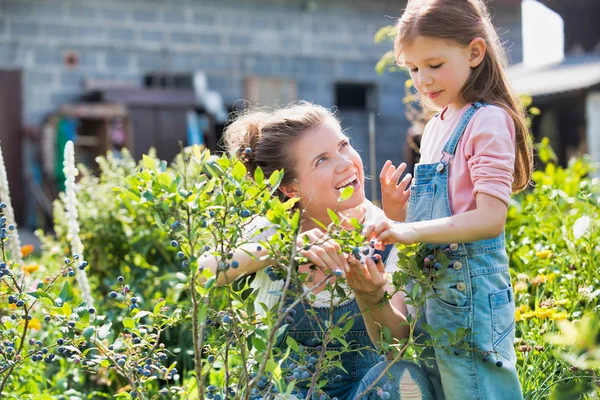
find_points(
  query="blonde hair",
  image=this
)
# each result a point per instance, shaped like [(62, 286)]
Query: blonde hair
[(269, 134), (461, 21)]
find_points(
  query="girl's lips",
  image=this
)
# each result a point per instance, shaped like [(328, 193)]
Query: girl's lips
[(433, 95)]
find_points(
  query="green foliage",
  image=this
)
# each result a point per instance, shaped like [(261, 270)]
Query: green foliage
[(553, 242)]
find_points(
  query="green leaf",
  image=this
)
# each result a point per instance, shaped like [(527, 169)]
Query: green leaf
[(238, 172), (148, 162), (66, 294), (346, 193), (104, 331), (141, 314), (333, 216), (259, 176), (158, 307), (66, 309), (292, 344), (39, 293), (128, 323)]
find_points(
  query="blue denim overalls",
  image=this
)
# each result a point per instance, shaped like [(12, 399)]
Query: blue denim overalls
[(362, 368), (473, 291)]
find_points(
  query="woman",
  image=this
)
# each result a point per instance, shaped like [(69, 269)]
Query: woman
[(307, 142)]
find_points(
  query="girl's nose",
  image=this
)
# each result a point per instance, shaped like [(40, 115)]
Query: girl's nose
[(425, 79)]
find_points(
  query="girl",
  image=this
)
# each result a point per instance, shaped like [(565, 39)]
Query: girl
[(474, 153), (307, 142)]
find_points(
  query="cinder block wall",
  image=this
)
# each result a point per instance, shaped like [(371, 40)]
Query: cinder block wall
[(317, 43)]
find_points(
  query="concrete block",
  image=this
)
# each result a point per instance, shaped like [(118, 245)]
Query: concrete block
[(183, 37), (121, 34), (82, 12), (144, 16), (202, 19), (91, 33), (117, 59), (47, 55), (20, 29), (115, 15), (35, 78), (59, 30), (175, 17), (152, 36)]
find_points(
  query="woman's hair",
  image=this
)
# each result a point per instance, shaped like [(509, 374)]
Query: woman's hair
[(270, 134), (461, 21)]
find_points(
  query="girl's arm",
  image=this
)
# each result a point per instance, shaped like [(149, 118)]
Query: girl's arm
[(369, 283), (485, 222)]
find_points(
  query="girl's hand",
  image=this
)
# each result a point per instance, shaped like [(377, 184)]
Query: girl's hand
[(322, 251), (385, 232), (394, 195), (367, 279)]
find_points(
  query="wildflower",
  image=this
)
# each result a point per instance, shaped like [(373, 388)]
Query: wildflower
[(520, 287), (528, 315), (538, 347), (517, 315), (14, 243), (543, 254), (27, 250), (538, 280), (548, 303), (522, 277), (559, 316), (562, 302), (34, 324), (71, 214), (543, 313), (581, 227), (29, 268), (525, 348)]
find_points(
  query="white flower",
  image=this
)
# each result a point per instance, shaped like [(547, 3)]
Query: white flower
[(581, 226), (72, 224), (13, 243)]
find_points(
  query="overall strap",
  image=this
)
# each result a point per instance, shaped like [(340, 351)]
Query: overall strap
[(452, 143)]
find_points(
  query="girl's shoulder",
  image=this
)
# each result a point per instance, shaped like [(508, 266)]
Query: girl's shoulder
[(492, 113)]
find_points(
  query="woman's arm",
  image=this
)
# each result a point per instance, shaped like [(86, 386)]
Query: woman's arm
[(250, 258), (369, 283)]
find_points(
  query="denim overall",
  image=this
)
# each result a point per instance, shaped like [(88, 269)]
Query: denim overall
[(473, 291), (361, 367)]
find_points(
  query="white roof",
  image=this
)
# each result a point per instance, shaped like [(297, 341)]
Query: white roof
[(570, 74)]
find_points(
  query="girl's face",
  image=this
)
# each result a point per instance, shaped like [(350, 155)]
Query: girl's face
[(439, 68), (324, 163)]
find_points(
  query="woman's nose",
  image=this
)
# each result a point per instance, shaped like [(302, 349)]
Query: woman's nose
[(344, 163)]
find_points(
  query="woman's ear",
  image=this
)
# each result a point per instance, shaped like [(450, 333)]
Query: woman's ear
[(476, 49), (290, 190)]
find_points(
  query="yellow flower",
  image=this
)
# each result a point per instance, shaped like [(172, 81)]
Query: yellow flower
[(34, 324), (543, 254), (517, 315), (27, 250), (538, 280), (550, 277), (562, 302), (543, 313), (528, 315), (520, 287), (29, 268), (560, 315)]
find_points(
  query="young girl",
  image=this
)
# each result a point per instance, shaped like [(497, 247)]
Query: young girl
[(474, 153)]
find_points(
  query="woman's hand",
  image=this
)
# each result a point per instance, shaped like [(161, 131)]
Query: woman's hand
[(367, 280), (394, 195), (385, 232), (322, 251)]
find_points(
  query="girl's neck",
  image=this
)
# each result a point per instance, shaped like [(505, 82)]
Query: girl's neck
[(452, 109)]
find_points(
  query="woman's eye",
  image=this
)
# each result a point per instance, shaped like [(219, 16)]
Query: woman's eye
[(436, 66), (320, 160), (345, 144)]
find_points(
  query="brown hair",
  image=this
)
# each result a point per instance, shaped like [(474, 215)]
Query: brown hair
[(269, 134), (461, 21)]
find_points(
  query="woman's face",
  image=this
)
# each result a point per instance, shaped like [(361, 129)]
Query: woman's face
[(325, 163)]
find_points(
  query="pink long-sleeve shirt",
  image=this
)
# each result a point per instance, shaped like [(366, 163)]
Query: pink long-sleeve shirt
[(485, 155)]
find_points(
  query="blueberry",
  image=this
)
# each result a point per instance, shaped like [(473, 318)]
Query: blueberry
[(258, 248), (210, 359), (305, 375), (113, 295), (83, 265), (184, 264), (338, 378), (245, 213), (136, 340), (71, 273), (226, 319), (338, 272), (121, 362), (385, 395), (174, 243), (121, 279), (382, 358), (175, 225), (312, 360), (3, 205), (387, 387), (60, 342), (11, 227), (238, 193), (71, 324), (180, 254), (456, 352), (499, 363), (211, 214), (437, 266), (289, 320), (134, 300), (235, 264), (248, 151), (485, 357), (67, 261), (20, 303)]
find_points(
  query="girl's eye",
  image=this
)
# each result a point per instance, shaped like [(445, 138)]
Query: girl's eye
[(436, 66), (414, 69)]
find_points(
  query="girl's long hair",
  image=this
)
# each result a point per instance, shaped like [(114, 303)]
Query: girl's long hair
[(461, 21)]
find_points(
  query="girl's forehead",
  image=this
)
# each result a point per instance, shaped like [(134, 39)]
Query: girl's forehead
[(423, 48)]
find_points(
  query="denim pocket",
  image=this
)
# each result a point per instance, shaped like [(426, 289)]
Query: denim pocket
[(420, 203), (503, 321)]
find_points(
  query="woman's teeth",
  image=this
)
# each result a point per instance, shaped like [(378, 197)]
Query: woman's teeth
[(347, 182)]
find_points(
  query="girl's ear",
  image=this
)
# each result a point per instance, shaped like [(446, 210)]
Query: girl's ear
[(476, 49), (290, 190)]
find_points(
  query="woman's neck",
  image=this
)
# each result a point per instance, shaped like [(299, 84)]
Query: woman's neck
[(308, 218)]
